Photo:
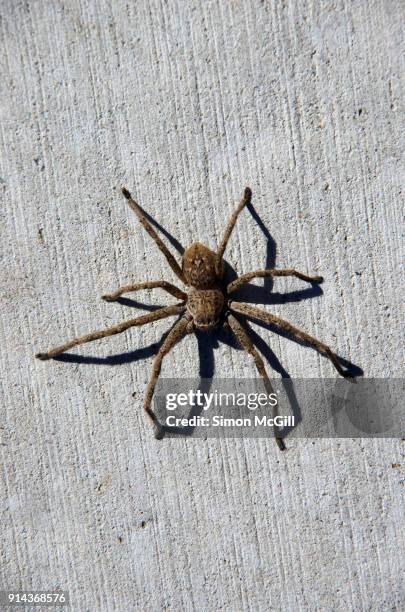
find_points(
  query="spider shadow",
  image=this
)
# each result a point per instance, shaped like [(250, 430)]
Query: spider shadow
[(173, 241), (141, 353), (264, 294), (208, 341), (113, 360)]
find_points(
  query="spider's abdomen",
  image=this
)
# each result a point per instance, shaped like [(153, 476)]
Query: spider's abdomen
[(199, 266), (205, 306)]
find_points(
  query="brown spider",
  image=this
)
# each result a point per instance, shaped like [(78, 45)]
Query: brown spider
[(204, 305)]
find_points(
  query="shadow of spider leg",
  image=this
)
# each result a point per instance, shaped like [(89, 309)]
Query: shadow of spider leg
[(162, 247), (261, 315), (180, 329), (162, 313), (246, 343)]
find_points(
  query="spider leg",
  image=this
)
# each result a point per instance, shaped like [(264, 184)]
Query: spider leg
[(162, 313), (247, 195), (172, 289), (163, 248), (246, 343), (179, 330), (265, 317), (245, 278)]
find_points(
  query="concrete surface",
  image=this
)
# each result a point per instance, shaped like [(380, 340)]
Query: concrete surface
[(186, 103)]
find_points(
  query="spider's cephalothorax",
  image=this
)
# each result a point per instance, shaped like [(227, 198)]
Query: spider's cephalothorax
[(203, 305), (205, 298)]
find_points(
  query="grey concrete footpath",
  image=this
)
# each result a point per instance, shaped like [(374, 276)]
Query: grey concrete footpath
[(185, 103)]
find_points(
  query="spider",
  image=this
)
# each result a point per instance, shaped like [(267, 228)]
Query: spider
[(206, 303)]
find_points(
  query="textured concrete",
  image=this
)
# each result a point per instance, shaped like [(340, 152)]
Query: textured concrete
[(186, 103)]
